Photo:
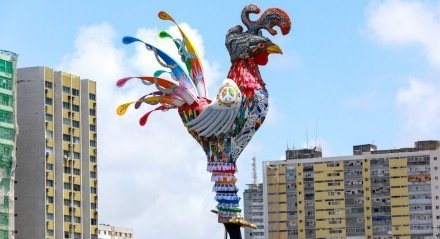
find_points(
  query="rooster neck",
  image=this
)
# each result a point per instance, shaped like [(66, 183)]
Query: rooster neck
[(246, 74)]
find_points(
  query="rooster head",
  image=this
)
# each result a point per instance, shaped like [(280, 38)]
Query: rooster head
[(252, 43)]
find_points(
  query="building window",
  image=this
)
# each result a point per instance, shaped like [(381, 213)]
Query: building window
[(48, 84), (93, 174), (67, 170), (75, 123), (7, 133), (66, 105), (93, 143), (2, 65), (49, 183), (76, 155), (66, 137), (75, 139), (66, 89), (92, 112), (332, 165), (9, 67), (5, 100), (67, 186), (49, 166), (5, 116), (49, 133), (75, 92), (49, 117), (76, 171), (92, 159), (67, 121), (5, 83), (76, 187), (92, 96), (5, 66), (75, 108), (49, 199), (48, 101), (93, 127)]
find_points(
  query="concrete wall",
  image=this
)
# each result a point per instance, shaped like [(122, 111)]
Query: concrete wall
[(30, 171)]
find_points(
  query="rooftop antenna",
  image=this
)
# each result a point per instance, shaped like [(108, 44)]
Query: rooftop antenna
[(307, 137), (316, 132), (254, 170)]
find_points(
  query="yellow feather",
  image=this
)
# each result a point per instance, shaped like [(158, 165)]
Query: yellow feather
[(153, 99), (123, 108)]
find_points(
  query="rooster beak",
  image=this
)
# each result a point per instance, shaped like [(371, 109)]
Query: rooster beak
[(274, 49)]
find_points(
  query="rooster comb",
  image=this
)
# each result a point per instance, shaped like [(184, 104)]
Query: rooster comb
[(270, 18), (238, 41)]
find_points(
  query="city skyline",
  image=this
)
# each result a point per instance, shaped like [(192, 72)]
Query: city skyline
[(352, 73)]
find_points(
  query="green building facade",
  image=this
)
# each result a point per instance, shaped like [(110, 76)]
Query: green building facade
[(8, 129)]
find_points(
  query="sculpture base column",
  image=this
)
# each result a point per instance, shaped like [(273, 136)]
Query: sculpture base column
[(233, 230)]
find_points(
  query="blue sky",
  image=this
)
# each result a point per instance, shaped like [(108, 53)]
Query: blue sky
[(353, 72)]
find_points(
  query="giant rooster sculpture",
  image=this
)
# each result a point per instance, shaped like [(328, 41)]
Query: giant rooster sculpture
[(223, 126)]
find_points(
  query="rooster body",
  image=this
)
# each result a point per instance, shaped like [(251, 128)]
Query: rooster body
[(231, 130), (223, 126)]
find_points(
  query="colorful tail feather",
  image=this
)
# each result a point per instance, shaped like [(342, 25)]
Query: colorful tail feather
[(190, 57), (182, 89)]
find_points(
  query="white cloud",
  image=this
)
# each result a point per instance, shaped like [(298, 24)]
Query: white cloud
[(408, 23), (95, 54), (420, 106), (151, 178), (402, 23)]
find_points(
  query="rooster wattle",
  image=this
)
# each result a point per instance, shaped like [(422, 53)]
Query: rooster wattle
[(222, 126)]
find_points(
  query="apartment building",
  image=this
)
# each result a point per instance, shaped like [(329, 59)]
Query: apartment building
[(253, 210), (8, 129), (56, 183), (374, 193), (112, 232)]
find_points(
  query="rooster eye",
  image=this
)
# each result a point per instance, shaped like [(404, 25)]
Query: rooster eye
[(260, 45)]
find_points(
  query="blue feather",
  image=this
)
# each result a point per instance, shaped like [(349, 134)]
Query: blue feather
[(128, 40), (177, 71)]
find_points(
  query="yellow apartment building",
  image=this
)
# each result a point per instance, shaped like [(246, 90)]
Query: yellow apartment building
[(373, 194)]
